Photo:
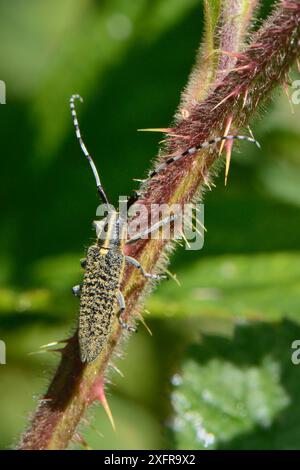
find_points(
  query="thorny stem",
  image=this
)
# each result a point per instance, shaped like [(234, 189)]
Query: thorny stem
[(230, 102)]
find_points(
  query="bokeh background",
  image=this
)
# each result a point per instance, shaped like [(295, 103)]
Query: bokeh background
[(217, 372)]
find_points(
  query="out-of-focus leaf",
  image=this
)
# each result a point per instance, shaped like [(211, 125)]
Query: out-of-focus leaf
[(283, 116), (66, 47), (281, 179), (97, 40), (164, 14), (262, 287), (95, 43), (239, 393), (58, 273), (205, 416), (279, 170), (33, 300), (16, 391), (31, 35)]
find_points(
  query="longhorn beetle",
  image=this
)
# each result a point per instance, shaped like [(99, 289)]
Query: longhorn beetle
[(104, 266), (105, 260)]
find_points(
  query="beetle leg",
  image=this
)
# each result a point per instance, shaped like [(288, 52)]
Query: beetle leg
[(122, 306), (138, 265), (167, 220), (76, 290)]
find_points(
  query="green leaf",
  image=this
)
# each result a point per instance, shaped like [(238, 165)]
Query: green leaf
[(238, 393), (259, 287), (80, 63), (59, 273)]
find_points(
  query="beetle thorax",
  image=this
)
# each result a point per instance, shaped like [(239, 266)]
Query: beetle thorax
[(111, 231)]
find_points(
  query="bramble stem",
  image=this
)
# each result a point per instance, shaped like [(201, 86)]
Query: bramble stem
[(227, 100)]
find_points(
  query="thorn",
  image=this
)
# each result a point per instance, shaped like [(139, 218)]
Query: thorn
[(45, 348), (245, 98), (49, 345), (144, 323), (34, 353), (166, 130), (251, 133), (44, 351), (233, 93), (97, 393), (228, 158), (227, 129), (54, 343), (242, 67), (100, 395)]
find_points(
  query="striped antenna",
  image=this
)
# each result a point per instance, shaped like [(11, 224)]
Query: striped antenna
[(100, 189), (193, 150)]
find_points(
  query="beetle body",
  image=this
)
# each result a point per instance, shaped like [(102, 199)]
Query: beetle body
[(98, 299), (104, 267)]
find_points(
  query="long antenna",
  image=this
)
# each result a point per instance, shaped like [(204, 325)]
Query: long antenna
[(100, 189), (193, 150)]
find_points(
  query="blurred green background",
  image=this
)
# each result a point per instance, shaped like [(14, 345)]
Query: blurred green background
[(217, 372)]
